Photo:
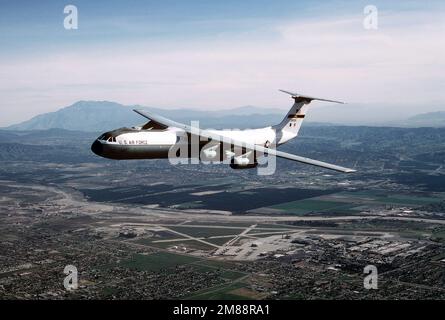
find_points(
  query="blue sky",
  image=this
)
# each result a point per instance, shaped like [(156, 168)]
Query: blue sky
[(37, 24), (220, 54)]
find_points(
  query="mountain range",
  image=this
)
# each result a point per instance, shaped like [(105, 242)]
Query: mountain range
[(105, 115), (99, 116), (430, 119)]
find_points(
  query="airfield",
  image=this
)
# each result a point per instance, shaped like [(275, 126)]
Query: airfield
[(149, 230), (229, 237)]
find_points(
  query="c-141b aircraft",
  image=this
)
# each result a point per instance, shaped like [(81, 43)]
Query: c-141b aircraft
[(163, 138)]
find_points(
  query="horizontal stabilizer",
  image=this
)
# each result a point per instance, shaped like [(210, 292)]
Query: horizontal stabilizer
[(304, 97)]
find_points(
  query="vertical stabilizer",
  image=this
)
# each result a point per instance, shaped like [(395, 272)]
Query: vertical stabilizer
[(289, 127)]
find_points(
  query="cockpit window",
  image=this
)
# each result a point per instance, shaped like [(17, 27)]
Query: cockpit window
[(111, 135)]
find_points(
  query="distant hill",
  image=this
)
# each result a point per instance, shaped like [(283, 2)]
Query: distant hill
[(430, 119), (100, 116), (82, 116), (95, 116), (408, 152)]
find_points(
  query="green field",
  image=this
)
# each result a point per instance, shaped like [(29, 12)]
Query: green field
[(223, 266), (157, 261), (222, 273), (163, 260), (388, 198), (353, 202), (217, 264), (218, 241), (312, 205), (222, 292), (438, 235), (169, 261), (231, 275)]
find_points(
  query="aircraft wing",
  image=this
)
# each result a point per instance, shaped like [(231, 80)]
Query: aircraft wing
[(242, 144)]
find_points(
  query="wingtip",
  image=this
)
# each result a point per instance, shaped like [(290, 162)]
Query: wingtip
[(293, 94), (139, 111)]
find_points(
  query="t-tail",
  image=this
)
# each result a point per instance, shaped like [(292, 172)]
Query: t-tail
[(289, 127)]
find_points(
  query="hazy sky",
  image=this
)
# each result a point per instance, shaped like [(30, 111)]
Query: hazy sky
[(223, 54)]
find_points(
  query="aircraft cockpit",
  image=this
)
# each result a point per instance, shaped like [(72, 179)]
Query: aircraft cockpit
[(107, 137), (111, 135)]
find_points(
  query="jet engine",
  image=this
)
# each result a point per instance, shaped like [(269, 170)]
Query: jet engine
[(210, 153), (243, 166), (243, 162)]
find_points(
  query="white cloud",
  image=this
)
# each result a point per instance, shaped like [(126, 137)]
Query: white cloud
[(400, 65)]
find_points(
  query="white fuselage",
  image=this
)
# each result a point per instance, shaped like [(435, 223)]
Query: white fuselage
[(169, 136), (137, 143), (251, 136)]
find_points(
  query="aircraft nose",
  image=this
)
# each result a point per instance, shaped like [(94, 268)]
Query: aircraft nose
[(96, 147)]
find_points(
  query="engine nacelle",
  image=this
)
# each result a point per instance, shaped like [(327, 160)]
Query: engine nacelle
[(246, 166), (243, 162), (210, 154)]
